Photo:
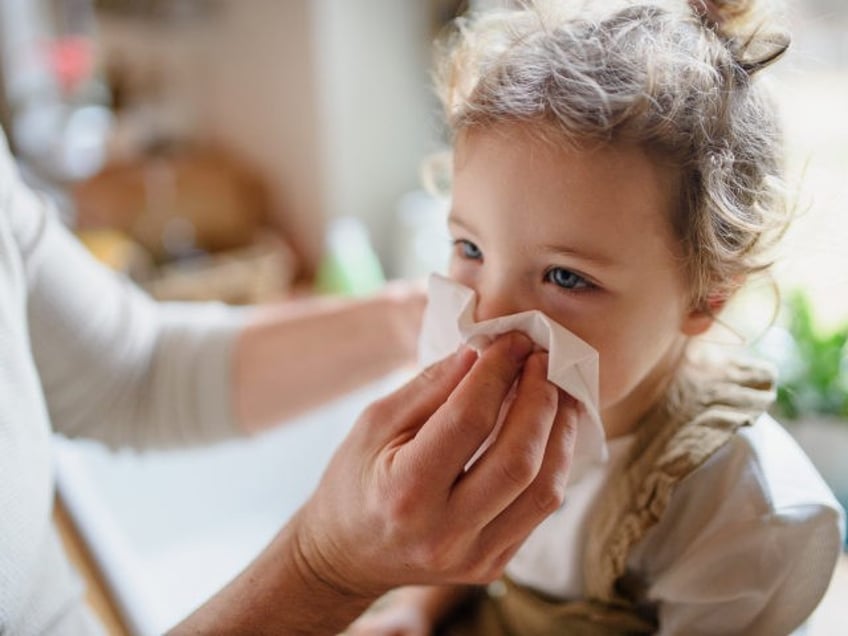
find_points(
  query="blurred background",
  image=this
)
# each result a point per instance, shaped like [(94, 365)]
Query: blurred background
[(274, 133), (250, 150), (205, 133)]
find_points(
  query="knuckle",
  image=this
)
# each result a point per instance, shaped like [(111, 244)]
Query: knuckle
[(377, 413), (519, 469), (468, 417), (400, 507), (549, 497)]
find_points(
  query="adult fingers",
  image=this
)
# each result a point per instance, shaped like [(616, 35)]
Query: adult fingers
[(515, 458), (406, 409), (547, 491), (457, 429)]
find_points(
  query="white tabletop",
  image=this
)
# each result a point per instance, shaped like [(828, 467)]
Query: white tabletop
[(168, 529)]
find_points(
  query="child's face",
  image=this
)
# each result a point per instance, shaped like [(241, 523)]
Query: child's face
[(585, 237)]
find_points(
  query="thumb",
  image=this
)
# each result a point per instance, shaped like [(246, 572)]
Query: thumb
[(406, 409)]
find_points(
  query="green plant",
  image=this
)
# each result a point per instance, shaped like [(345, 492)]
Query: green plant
[(814, 374)]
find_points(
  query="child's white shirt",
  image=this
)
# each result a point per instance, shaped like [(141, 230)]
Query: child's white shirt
[(551, 560), (746, 545)]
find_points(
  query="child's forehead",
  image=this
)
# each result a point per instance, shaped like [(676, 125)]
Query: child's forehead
[(540, 138), (557, 156), (535, 133), (504, 174)]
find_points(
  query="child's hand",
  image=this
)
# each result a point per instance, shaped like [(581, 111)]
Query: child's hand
[(408, 611), (395, 618)]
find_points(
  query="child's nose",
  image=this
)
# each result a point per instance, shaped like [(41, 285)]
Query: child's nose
[(495, 303)]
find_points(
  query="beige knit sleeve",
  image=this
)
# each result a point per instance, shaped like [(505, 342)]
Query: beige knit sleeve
[(113, 364)]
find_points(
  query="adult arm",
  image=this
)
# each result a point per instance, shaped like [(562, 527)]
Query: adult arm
[(116, 366), (294, 356), (396, 505)]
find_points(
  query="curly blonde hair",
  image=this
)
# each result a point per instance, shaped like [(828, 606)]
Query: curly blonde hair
[(674, 77)]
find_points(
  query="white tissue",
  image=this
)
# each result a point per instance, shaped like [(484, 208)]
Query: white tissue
[(572, 364)]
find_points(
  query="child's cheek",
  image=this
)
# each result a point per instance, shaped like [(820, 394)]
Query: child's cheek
[(617, 375), (463, 272)]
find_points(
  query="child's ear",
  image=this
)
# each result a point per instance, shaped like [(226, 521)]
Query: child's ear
[(702, 317)]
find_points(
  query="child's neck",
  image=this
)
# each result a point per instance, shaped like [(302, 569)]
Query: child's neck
[(623, 417)]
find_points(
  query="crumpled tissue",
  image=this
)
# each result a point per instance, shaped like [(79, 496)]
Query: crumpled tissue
[(572, 364)]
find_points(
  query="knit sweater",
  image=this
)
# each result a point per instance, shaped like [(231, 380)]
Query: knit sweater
[(84, 353)]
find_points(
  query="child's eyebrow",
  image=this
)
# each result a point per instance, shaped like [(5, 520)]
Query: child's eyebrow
[(564, 250), (453, 219)]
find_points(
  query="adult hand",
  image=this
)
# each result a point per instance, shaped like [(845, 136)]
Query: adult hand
[(396, 505)]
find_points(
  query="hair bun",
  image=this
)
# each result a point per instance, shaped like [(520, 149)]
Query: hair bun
[(750, 30)]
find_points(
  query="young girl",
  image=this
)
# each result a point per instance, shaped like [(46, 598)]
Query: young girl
[(617, 167)]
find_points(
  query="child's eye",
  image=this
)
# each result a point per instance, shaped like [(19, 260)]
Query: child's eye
[(566, 279), (468, 250)]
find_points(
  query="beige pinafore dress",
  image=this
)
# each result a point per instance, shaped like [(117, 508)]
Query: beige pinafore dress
[(700, 412)]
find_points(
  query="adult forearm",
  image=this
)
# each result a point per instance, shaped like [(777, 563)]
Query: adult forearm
[(295, 356)]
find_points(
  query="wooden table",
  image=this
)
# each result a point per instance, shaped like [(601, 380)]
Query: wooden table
[(97, 594)]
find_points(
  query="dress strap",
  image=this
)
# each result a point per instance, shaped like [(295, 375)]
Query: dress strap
[(701, 411)]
